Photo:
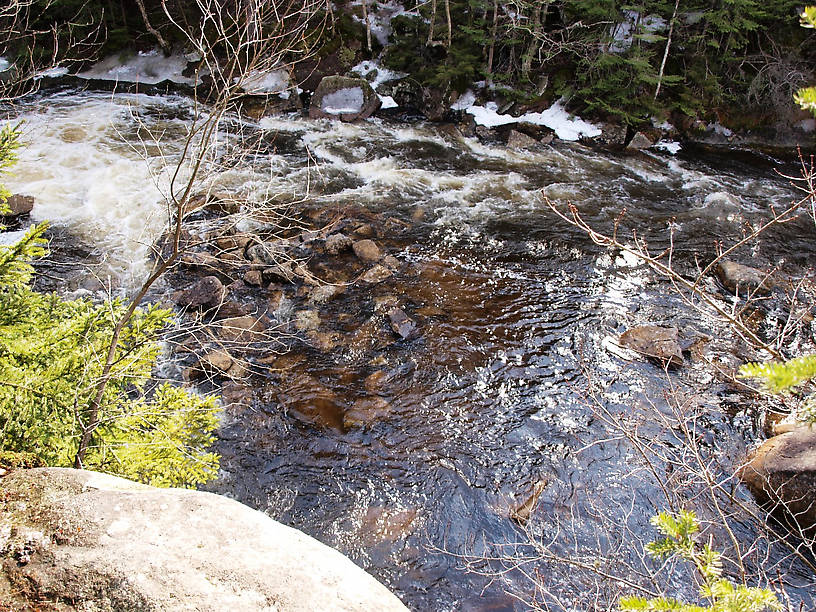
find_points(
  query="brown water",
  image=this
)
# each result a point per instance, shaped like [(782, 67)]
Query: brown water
[(411, 456)]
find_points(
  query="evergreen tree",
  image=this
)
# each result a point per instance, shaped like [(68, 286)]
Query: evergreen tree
[(51, 355)]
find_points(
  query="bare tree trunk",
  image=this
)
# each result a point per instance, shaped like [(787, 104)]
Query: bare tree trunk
[(162, 42), (367, 24), (539, 18), (666, 50), (430, 40), (492, 47), (450, 23)]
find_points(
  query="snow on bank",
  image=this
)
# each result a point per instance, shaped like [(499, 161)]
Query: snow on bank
[(565, 126), (668, 146), (383, 75), (4, 64), (148, 67)]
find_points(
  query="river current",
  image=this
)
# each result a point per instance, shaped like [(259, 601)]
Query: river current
[(515, 391)]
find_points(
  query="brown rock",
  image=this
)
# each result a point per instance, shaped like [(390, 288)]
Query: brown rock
[(367, 250), (741, 279), (323, 341), (391, 262), (220, 360), (520, 140), (20, 204), (233, 242), (402, 324), (253, 278), (385, 303), (782, 476), (377, 274), (337, 243), (364, 230), (209, 291), (654, 341)]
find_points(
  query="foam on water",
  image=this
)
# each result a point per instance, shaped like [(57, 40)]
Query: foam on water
[(81, 175)]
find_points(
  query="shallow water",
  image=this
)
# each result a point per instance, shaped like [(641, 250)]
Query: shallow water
[(413, 473)]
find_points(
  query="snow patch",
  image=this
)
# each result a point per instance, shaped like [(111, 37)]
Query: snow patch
[(465, 101), (383, 74), (4, 64), (670, 146), (565, 126), (720, 129), (388, 102), (624, 32), (149, 67), (343, 101), (258, 82), (51, 73)]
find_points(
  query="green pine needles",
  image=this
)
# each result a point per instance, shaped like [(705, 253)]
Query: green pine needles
[(52, 352), (720, 593), (782, 377)]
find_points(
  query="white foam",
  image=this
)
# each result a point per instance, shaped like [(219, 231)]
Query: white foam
[(147, 67), (82, 176), (565, 125)]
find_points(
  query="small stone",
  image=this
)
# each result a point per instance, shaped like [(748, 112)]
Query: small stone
[(639, 141), (323, 341), (233, 242), (654, 341), (242, 329), (220, 360), (231, 308), (739, 278), (364, 230), (307, 320), (208, 291), (402, 324), (391, 262), (337, 243), (377, 274), (253, 278), (367, 250), (325, 293)]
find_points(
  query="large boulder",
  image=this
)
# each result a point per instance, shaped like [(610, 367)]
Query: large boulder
[(339, 97), (97, 542), (782, 476), (20, 204)]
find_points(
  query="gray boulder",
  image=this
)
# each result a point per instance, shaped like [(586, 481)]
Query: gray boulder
[(639, 142), (782, 476), (104, 543), (345, 98)]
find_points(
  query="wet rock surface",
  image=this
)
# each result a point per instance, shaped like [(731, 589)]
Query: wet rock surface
[(97, 542), (782, 477), (654, 341)]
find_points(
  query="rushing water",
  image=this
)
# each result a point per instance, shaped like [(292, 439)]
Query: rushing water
[(410, 456)]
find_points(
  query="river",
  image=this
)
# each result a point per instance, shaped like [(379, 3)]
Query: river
[(415, 457)]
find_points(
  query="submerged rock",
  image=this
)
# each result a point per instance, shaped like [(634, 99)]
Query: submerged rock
[(105, 543), (654, 341), (344, 98), (782, 476), (403, 325), (739, 278), (367, 250)]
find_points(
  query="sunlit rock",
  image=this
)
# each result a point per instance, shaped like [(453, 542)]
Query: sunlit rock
[(106, 543)]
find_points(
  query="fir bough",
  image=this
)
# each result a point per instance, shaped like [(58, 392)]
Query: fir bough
[(720, 593), (52, 353)]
